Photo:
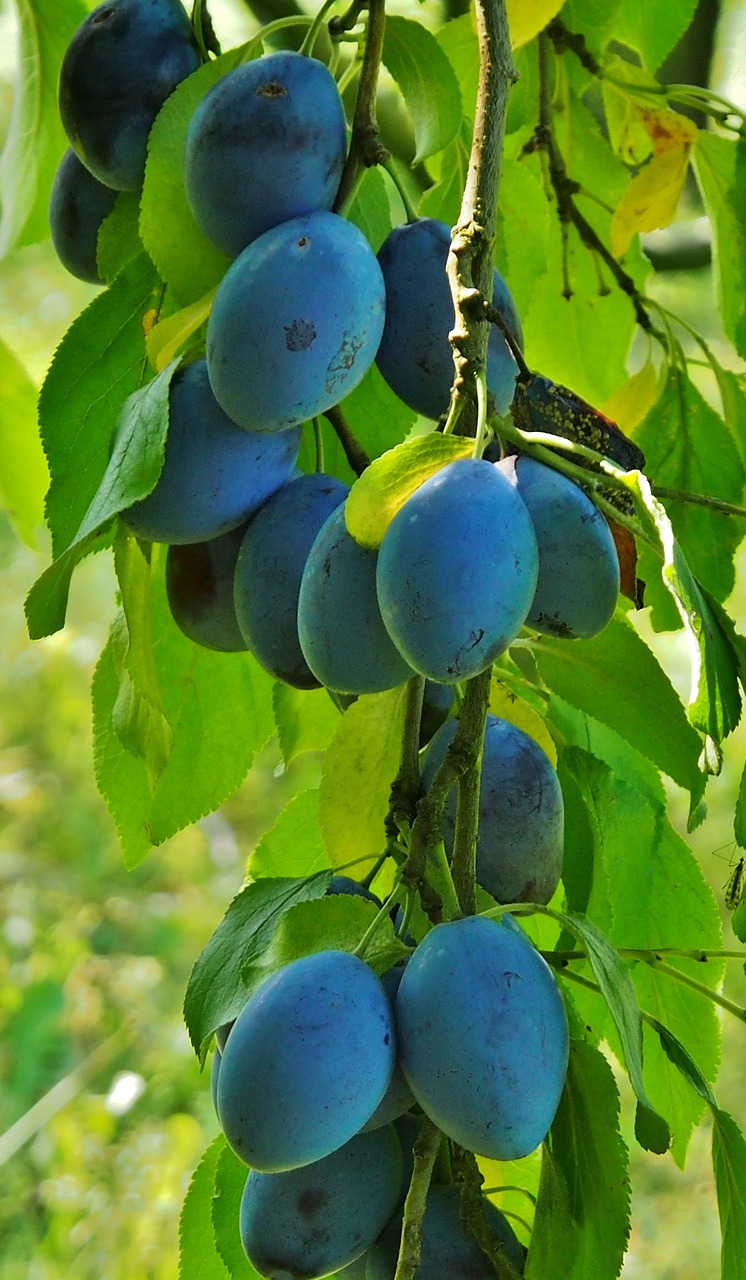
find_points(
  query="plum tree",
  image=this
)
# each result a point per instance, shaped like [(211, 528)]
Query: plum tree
[(309, 1222), (578, 583), (415, 356), (215, 475), (77, 207), (483, 1038), (296, 322), (447, 1250), (266, 144), (269, 570), (521, 812), (341, 631), (120, 66), (199, 584), (457, 571), (322, 1030)]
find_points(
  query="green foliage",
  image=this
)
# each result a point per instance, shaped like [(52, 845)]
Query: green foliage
[(394, 477), (198, 1255), (24, 477), (427, 82)]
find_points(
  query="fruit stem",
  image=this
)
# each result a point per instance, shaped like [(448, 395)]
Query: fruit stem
[(425, 1152), (406, 787), (365, 146), (393, 172), (641, 953), (381, 917), (469, 742), (481, 433), (353, 451), (728, 1005), (318, 443), (309, 39), (469, 266)]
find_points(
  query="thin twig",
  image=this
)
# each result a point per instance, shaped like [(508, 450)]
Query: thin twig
[(353, 451), (366, 148)]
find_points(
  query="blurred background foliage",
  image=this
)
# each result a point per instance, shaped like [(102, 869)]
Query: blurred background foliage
[(103, 1112)]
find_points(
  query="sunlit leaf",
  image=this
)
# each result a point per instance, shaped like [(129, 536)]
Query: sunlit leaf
[(23, 474), (384, 488), (427, 82)]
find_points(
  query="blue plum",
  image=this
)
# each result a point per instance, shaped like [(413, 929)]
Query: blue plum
[(296, 322), (437, 702), (578, 583), (120, 66), (457, 571), (447, 1251), (415, 356), (269, 570), (398, 1098), (483, 1038), (346, 885), (266, 144), (214, 1077), (309, 1222), (77, 206), (199, 583), (341, 632), (307, 1062), (214, 474), (521, 812)]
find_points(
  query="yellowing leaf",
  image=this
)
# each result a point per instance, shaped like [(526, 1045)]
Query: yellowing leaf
[(169, 335), (508, 706), (526, 18), (668, 130), (387, 483), (631, 401), (652, 196)]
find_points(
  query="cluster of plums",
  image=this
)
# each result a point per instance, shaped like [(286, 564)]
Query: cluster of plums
[(319, 1082)]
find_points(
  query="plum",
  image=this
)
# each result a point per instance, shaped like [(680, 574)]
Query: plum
[(578, 584), (77, 206), (199, 583), (214, 1077), (269, 570), (448, 1252), (482, 1036), (457, 571), (341, 632), (296, 322), (346, 885), (311, 1221), (398, 1098), (415, 356), (214, 475), (123, 61), (266, 144), (307, 1062), (521, 812)]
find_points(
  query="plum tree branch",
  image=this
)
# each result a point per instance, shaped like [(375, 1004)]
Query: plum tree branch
[(425, 1152), (406, 787), (353, 450), (474, 1221), (472, 718), (366, 148)]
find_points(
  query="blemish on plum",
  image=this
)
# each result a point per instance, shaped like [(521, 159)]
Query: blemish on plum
[(272, 89), (311, 1201), (299, 335)]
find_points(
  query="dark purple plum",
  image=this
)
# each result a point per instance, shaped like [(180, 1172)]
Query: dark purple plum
[(215, 475), (296, 322), (521, 812), (415, 356), (341, 632), (77, 207), (124, 60), (307, 1062), (309, 1222), (269, 570), (199, 583), (266, 144), (578, 583), (448, 1253), (457, 571), (482, 1036)]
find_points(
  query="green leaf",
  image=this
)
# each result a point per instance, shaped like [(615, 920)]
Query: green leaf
[(370, 210), (215, 993), (458, 40), (720, 166), (582, 1217), (443, 199), (584, 731), (173, 332), (683, 1061), (23, 475), (230, 1180), (46, 603), (138, 716), (119, 236), (616, 679), (188, 262), (334, 923), (596, 19), (306, 719), (97, 365), (616, 987), (689, 447), (427, 81), (220, 708), (715, 701), (386, 485), (739, 817), (293, 846), (524, 228), (377, 417), (35, 140), (361, 762), (729, 1165), (653, 27), (198, 1256)]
